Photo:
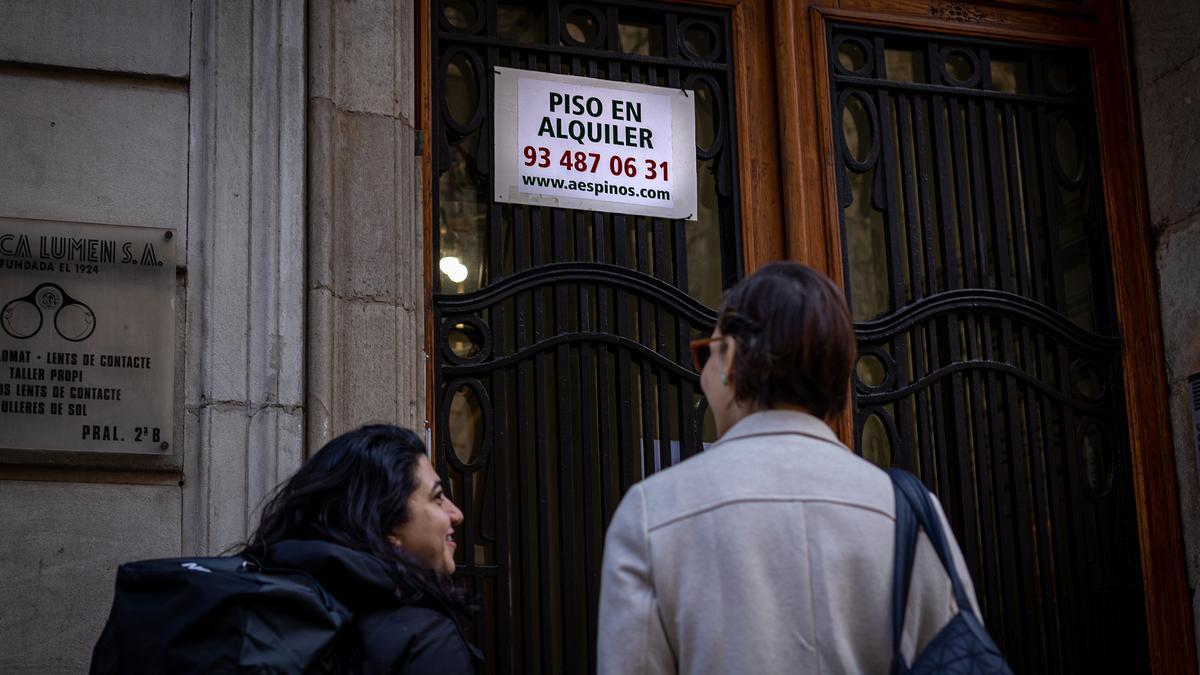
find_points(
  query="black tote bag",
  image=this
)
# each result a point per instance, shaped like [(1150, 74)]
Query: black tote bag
[(963, 646)]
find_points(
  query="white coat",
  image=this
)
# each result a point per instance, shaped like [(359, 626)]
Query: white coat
[(770, 552)]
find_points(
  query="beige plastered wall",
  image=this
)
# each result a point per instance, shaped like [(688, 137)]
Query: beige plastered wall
[(1166, 43)]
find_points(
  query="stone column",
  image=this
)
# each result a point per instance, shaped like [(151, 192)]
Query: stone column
[(245, 265), (1167, 57), (366, 255)]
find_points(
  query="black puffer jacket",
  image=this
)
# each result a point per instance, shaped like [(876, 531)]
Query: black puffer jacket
[(386, 636)]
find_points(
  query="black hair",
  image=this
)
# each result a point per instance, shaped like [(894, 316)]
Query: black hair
[(795, 339), (354, 492)]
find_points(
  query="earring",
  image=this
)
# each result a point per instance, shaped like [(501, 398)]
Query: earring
[(724, 379)]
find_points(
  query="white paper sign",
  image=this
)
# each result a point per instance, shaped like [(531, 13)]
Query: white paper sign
[(582, 143)]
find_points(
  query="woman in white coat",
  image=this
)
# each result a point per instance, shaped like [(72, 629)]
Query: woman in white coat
[(770, 552)]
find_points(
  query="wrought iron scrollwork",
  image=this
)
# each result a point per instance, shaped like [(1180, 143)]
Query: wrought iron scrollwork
[(712, 33), (471, 330), (977, 271), (563, 335)]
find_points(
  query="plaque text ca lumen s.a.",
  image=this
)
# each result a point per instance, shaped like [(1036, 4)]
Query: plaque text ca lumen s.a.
[(87, 337)]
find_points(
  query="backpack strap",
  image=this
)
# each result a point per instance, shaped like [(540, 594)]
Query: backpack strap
[(914, 509)]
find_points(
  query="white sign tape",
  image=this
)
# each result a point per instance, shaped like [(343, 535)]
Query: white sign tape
[(582, 143)]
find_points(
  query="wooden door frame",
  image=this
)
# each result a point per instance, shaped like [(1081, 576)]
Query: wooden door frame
[(813, 235), (759, 159)]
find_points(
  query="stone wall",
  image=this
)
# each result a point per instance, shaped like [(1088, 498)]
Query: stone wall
[(244, 400), (366, 315), (192, 114), (1167, 61), (185, 114), (94, 128), (62, 542)]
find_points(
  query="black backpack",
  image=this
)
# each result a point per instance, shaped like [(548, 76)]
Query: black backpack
[(963, 645), (217, 615)]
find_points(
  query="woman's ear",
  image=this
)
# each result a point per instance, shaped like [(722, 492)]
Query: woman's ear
[(394, 541), (730, 352)]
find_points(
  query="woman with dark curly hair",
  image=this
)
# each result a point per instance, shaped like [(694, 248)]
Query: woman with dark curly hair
[(368, 517), (771, 551)]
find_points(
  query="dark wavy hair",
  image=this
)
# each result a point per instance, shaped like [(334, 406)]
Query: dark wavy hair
[(354, 492), (795, 339)]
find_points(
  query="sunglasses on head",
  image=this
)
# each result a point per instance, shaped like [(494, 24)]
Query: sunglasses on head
[(701, 350)]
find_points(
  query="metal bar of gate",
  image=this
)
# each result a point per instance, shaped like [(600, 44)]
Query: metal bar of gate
[(925, 185), (943, 158), (1001, 388)]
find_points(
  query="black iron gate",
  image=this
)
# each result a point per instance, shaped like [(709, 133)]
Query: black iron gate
[(562, 360), (976, 263)]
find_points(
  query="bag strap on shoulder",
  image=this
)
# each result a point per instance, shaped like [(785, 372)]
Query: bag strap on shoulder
[(914, 510)]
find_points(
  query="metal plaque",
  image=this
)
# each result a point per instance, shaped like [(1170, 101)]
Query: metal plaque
[(87, 337)]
